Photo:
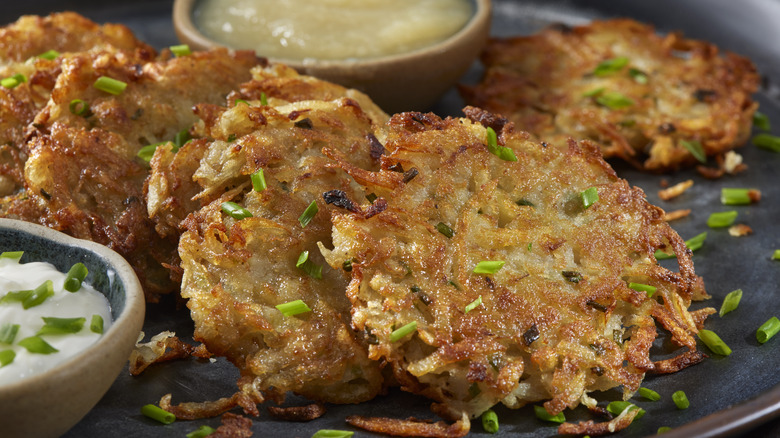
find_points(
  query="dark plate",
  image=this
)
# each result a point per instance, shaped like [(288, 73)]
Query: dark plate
[(734, 396)]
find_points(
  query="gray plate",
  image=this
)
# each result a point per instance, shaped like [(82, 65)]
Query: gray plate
[(729, 396)]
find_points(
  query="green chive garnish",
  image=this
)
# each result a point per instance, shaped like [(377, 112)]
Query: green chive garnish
[(732, 196), (308, 214), (776, 255), (79, 108), (201, 432), (445, 229), (258, 180), (35, 344), (309, 267), (696, 242), (589, 197), (237, 101), (474, 304), (293, 308), (649, 394), (502, 152), (332, 433), (714, 343), (400, 333), (767, 142), (181, 138), (235, 211), (6, 357), (490, 421), (181, 50), (147, 152), (617, 407), (680, 400), (31, 298), (13, 81), (610, 66), (768, 329), (96, 324), (722, 219), (110, 85), (75, 277), (730, 302), (638, 76), (49, 54), (593, 92), (542, 414), (61, 326), (695, 148), (761, 121), (158, 413), (12, 255), (663, 429), (8, 333), (650, 290), (613, 100), (488, 267), (263, 99)]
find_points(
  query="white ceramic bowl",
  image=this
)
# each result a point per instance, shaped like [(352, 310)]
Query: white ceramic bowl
[(412, 81), (50, 403)]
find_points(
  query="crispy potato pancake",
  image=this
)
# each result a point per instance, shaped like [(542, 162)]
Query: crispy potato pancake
[(643, 97), (558, 319), (235, 272)]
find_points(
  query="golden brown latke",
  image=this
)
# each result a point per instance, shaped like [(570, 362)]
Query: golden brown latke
[(660, 92), (236, 271), (558, 320)]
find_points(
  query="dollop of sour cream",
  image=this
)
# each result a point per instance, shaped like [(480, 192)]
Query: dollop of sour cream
[(84, 303), (331, 29)]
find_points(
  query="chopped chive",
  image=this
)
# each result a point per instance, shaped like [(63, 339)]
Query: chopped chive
[(400, 333), (237, 101), (308, 214), (776, 255), (110, 85), (649, 394), (181, 50), (8, 333), (49, 54), (39, 295), (235, 211), (722, 219), (6, 357), (572, 276), (347, 265), (35, 344), (767, 142), (639, 287), (181, 138), (78, 107), (201, 432), (761, 121), (96, 324), (696, 242), (258, 180), (663, 429), (732, 196), (714, 343), (13, 81), (524, 202), (680, 400), (490, 421), (696, 149), (263, 99), (589, 197), (61, 326), (488, 266), (12, 255), (293, 308), (542, 414), (75, 277), (768, 329), (147, 152), (614, 100), (502, 152), (474, 304), (157, 413), (332, 433), (309, 267), (638, 76), (617, 407), (593, 92), (730, 302), (610, 66), (445, 229)]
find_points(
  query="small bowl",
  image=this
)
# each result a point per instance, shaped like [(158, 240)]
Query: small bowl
[(412, 81), (50, 403)]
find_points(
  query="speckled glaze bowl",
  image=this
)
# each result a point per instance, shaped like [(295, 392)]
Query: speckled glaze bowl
[(412, 81), (48, 404)]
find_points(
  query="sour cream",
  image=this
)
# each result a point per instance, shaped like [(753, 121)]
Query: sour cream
[(331, 29), (63, 304)]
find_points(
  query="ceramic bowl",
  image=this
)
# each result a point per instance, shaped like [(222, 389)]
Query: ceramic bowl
[(50, 403), (413, 81)]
